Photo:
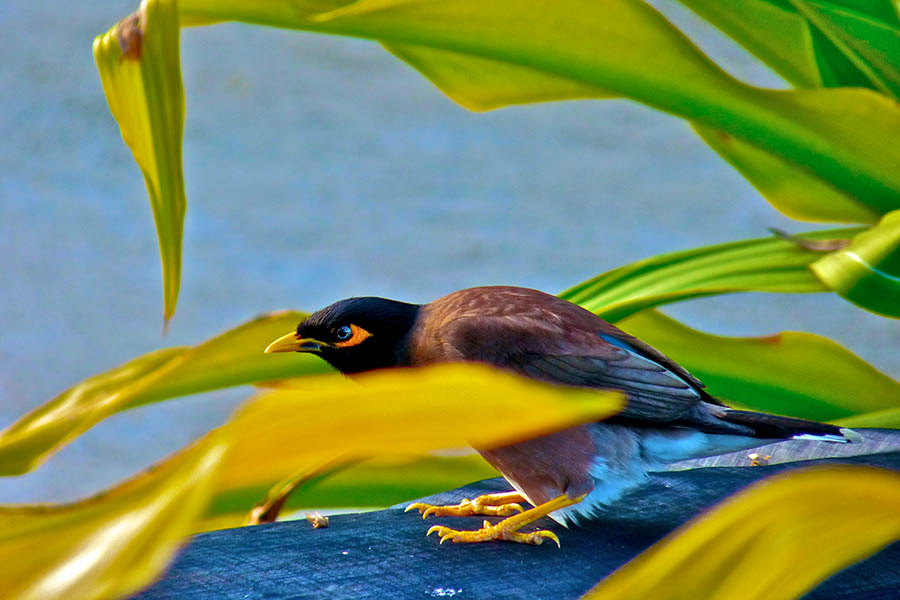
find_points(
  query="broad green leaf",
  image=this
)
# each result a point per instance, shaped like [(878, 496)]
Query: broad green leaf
[(889, 419), (790, 373), (626, 48), (776, 540), (780, 36), (835, 69), (233, 358), (111, 545), (797, 38), (483, 84), (789, 187), (770, 30), (883, 11), (870, 44), (140, 69), (762, 265), (483, 58), (867, 272)]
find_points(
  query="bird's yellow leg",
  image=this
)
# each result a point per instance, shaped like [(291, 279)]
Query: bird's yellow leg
[(492, 505), (508, 529)]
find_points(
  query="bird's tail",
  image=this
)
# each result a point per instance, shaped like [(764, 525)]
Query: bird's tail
[(783, 428)]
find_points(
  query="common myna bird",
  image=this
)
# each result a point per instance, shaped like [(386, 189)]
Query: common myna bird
[(573, 473)]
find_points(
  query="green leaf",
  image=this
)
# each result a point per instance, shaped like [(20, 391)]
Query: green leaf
[(761, 265), (140, 69), (483, 84), (870, 44), (790, 373), (889, 419), (806, 55), (562, 49), (867, 272), (111, 545), (626, 48), (789, 187), (233, 358), (770, 30), (776, 540), (811, 44)]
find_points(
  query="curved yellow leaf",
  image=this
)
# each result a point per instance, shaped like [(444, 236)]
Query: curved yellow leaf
[(113, 544), (773, 541), (140, 69), (889, 418), (232, 358), (398, 411)]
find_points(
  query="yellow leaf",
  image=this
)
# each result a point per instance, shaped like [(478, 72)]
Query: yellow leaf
[(232, 358), (889, 418), (398, 411), (110, 545), (483, 84), (773, 541), (116, 542), (140, 69)]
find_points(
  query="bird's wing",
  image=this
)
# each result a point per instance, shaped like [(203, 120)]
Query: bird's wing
[(588, 353), (653, 393)]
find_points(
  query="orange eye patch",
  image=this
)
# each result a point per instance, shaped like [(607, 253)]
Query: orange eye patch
[(359, 335)]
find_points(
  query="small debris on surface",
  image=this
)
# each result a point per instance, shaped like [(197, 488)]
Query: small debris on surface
[(317, 520), (757, 460)]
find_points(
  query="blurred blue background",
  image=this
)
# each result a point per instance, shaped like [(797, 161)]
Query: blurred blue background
[(319, 168)]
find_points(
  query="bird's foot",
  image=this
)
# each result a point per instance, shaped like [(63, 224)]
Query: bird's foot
[(508, 528), (491, 505), (490, 532)]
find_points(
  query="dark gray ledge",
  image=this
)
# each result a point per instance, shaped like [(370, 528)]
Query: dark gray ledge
[(385, 554)]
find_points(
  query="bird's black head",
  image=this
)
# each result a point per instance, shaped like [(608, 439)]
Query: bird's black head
[(355, 335)]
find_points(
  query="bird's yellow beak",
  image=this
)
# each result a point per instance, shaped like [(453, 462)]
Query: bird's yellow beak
[(291, 343)]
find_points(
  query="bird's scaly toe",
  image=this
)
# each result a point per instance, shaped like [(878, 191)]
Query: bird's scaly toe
[(490, 532), (489, 505)]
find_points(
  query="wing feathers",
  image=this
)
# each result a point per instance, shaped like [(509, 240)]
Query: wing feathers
[(552, 340)]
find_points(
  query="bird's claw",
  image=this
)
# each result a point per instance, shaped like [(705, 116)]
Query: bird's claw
[(490, 532), (482, 505)]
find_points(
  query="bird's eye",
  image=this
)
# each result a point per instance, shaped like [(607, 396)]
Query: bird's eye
[(344, 332)]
